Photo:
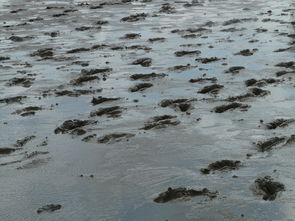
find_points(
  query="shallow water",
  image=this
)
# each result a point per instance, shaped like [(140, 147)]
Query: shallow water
[(128, 175)]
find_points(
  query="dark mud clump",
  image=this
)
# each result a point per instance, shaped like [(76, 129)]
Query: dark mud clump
[(279, 123), (235, 69), (144, 62), (22, 142), (180, 68), (49, 208), (131, 36), (76, 93), (114, 112), (19, 39), (146, 76), (152, 40), (201, 80), (3, 58), (77, 50), (290, 64), (167, 8), (253, 92), (11, 100), (134, 18), (184, 53), (140, 87), (7, 150), (268, 144), (24, 82), (223, 165), (268, 188), (28, 110), (73, 126), (208, 60), (182, 105), (45, 53), (281, 73), (82, 79), (100, 99), (114, 137), (261, 82), (89, 138), (214, 89), (159, 122), (246, 52), (181, 192), (226, 107)]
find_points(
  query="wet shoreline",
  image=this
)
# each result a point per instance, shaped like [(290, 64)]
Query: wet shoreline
[(107, 106)]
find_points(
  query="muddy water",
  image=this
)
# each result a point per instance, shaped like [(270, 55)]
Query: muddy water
[(130, 173)]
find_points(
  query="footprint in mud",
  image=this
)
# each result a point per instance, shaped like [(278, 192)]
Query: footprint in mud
[(222, 165), (209, 60), (187, 53), (45, 53), (159, 122), (28, 111), (279, 123), (182, 105), (268, 188), (24, 82), (212, 89), (144, 62), (147, 76), (260, 83), (24, 141), (235, 69), (202, 80), (140, 87), (152, 40), (113, 112), (100, 99), (130, 36), (114, 137), (246, 52), (49, 208), (231, 106), (253, 92), (180, 68), (76, 93), (181, 193), (74, 127), (134, 18), (11, 100), (268, 144)]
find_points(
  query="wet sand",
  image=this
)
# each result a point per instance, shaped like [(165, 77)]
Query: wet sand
[(105, 105)]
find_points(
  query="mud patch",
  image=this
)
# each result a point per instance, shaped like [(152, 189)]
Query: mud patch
[(114, 137), (181, 192), (73, 126), (268, 144), (100, 99), (226, 107), (268, 188), (159, 122), (223, 165), (144, 62), (146, 76), (279, 123), (24, 141), (114, 112), (140, 87), (212, 89), (49, 208)]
